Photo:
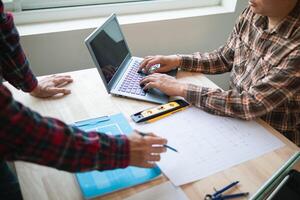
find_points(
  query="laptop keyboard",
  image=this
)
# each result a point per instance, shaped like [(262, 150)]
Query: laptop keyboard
[(131, 83)]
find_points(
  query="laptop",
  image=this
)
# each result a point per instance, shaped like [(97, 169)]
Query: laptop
[(116, 66)]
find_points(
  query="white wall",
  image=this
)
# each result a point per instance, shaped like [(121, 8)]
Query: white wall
[(65, 51)]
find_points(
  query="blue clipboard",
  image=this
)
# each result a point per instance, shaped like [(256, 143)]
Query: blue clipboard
[(96, 183)]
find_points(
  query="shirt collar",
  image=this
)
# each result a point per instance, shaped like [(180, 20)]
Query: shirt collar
[(285, 28)]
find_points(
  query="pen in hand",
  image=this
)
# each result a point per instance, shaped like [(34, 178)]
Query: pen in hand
[(165, 145)]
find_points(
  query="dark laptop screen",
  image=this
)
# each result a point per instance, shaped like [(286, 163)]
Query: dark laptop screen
[(109, 49)]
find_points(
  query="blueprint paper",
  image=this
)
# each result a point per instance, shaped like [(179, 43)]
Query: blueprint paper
[(207, 143)]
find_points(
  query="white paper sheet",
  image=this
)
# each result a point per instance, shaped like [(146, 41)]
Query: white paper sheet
[(207, 143), (164, 191)]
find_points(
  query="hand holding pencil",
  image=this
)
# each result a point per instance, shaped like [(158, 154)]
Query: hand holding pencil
[(145, 149), (165, 145)]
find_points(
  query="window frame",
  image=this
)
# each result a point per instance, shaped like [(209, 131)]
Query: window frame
[(90, 11)]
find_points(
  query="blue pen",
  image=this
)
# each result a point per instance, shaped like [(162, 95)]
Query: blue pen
[(165, 145), (231, 196), (225, 188), (219, 196)]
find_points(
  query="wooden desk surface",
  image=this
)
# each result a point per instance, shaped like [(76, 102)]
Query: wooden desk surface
[(89, 99)]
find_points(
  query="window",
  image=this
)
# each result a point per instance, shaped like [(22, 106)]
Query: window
[(23, 5), (42, 4), (30, 11)]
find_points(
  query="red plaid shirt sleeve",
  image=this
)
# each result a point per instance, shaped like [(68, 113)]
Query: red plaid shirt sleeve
[(26, 135), (14, 65)]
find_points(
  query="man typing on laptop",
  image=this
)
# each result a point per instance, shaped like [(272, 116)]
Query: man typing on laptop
[(263, 56), (116, 66)]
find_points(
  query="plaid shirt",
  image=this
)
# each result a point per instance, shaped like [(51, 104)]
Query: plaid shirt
[(26, 135), (265, 73)]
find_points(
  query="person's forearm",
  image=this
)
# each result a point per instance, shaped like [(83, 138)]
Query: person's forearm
[(281, 84), (27, 136), (226, 103), (246, 105), (215, 62), (207, 63)]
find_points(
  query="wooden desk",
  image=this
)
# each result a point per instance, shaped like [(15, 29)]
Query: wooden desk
[(89, 99)]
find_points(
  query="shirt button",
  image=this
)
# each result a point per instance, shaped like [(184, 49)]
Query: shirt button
[(268, 43)]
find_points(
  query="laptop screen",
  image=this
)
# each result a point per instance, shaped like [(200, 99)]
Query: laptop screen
[(110, 49)]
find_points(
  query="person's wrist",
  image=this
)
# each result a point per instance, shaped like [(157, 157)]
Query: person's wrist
[(183, 90), (134, 145), (178, 60), (35, 91), (123, 148)]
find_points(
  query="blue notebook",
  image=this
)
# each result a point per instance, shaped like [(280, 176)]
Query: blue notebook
[(96, 183)]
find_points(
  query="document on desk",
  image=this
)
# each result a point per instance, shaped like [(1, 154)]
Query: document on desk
[(164, 191), (207, 143)]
